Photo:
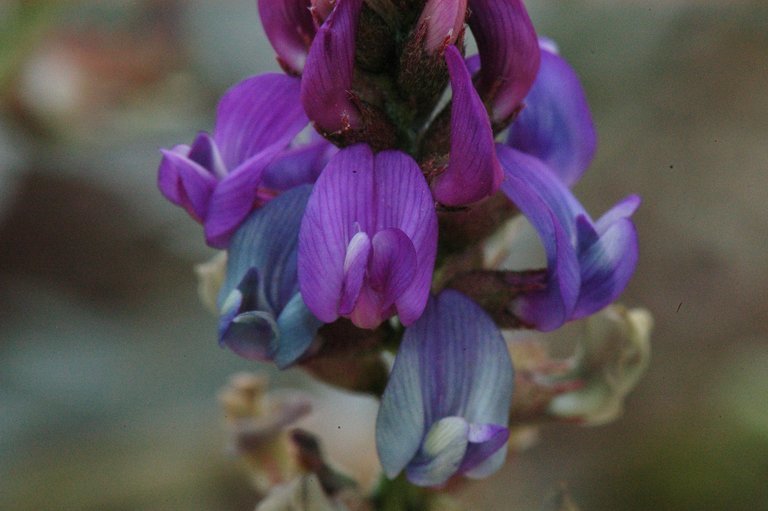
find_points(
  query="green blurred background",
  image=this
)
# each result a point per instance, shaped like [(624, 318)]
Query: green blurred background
[(108, 362)]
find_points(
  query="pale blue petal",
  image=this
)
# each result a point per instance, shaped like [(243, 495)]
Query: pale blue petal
[(297, 327), (267, 241), (263, 315), (400, 424)]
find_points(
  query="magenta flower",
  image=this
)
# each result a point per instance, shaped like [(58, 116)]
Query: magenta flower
[(368, 239), (218, 179)]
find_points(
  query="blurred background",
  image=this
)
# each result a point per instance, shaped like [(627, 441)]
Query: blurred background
[(108, 362)]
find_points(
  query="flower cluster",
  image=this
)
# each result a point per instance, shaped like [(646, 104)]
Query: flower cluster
[(347, 193)]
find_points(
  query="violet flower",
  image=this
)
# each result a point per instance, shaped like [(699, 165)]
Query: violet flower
[(368, 239), (556, 124), (218, 179), (446, 406), (588, 263), (551, 144), (342, 222)]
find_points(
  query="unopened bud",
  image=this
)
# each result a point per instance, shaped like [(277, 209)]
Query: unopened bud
[(509, 56), (443, 21), (423, 73), (290, 29)]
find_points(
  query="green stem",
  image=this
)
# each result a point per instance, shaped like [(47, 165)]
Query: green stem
[(400, 495)]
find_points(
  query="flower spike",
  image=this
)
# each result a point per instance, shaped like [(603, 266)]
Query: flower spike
[(329, 185)]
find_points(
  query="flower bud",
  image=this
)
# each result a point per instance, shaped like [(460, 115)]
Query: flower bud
[(327, 80), (423, 73), (443, 21), (327, 95)]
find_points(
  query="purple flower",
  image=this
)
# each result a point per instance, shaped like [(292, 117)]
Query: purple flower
[(473, 172), (218, 179), (556, 125), (368, 239), (509, 54), (446, 406), (263, 316), (588, 263)]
